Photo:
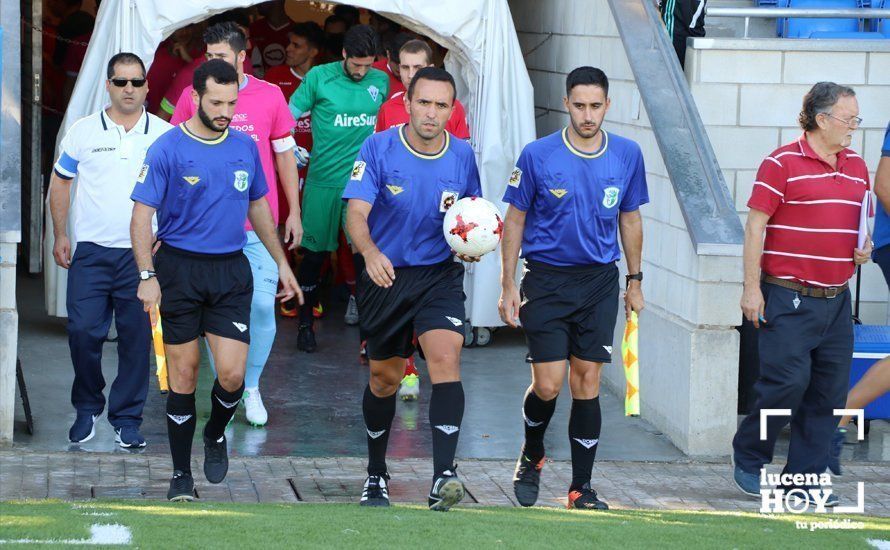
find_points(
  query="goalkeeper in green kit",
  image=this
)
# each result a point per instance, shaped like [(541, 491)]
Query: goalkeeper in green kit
[(343, 97)]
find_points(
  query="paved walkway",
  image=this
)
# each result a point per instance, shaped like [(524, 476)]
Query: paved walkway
[(121, 475)]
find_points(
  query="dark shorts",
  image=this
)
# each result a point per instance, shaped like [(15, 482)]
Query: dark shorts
[(569, 311), (204, 294), (421, 299)]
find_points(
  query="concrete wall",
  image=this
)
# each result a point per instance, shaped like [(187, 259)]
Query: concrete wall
[(688, 348), (749, 93), (10, 212)]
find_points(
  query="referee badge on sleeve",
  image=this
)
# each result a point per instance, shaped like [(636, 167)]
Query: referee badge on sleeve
[(143, 173), (358, 170), (515, 177)]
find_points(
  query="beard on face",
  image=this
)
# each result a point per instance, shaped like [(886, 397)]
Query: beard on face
[(586, 133), (211, 124)]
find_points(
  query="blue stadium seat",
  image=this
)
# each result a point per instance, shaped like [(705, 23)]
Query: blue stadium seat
[(796, 27), (881, 25), (840, 35)]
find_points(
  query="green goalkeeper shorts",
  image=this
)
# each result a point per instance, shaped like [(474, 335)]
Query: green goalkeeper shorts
[(324, 213)]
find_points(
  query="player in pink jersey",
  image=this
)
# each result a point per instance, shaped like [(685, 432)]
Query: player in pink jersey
[(261, 113)]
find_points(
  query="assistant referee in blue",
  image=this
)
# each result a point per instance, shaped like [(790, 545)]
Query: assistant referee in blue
[(203, 179), (569, 195)]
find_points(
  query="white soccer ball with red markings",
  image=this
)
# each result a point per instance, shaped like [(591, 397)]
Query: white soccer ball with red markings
[(473, 226)]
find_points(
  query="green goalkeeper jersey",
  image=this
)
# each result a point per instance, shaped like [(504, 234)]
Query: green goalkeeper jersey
[(344, 113)]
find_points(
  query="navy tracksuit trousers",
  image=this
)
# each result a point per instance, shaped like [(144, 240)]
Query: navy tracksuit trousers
[(103, 280), (806, 347)]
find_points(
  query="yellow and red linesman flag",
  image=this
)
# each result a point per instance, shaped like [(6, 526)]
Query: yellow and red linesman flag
[(157, 337), (630, 354)]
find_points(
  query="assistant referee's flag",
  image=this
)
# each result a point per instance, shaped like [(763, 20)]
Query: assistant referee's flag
[(630, 354), (157, 337)]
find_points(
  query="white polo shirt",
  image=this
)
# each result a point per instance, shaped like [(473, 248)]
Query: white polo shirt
[(106, 160)]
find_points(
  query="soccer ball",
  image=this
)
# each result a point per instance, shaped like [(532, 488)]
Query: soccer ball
[(473, 226)]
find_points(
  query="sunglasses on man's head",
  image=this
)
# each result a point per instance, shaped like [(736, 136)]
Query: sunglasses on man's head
[(121, 82)]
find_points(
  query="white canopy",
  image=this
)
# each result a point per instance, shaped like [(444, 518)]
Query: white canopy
[(484, 57)]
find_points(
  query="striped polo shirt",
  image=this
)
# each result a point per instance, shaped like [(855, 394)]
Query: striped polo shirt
[(814, 212)]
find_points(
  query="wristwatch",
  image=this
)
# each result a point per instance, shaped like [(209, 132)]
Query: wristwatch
[(635, 277), (146, 275)]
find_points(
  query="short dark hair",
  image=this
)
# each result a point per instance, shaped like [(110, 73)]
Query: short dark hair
[(820, 99), (432, 73), (228, 32), (217, 69), (348, 13), (418, 46), (124, 58), (587, 76), (335, 19), (361, 41), (394, 45), (238, 16), (311, 31)]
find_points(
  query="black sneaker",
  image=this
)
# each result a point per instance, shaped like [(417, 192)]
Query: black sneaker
[(182, 487), (306, 339), (447, 491), (585, 499), (527, 480), (216, 459), (375, 492)]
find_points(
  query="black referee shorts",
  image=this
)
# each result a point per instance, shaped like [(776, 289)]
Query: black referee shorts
[(421, 299), (204, 293), (569, 311)]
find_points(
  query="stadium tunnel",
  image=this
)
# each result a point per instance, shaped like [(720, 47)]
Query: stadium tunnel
[(492, 82)]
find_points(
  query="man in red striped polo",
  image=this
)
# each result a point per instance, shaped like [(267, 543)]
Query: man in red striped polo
[(807, 199)]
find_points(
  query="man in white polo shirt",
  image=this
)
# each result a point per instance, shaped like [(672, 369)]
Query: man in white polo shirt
[(105, 152)]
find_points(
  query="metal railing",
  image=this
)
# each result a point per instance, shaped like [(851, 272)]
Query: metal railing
[(781, 13)]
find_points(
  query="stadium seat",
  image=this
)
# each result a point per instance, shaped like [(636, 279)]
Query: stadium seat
[(881, 25), (796, 27), (847, 35)]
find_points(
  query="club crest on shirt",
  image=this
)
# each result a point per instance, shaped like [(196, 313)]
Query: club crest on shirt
[(558, 193), (358, 170), (610, 196), (374, 91), (394, 189), (448, 199), (191, 180), (240, 180), (515, 177), (143, 173)]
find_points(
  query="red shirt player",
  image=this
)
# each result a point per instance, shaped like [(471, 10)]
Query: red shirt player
[(413, 56), (390, 64), (269, 36)]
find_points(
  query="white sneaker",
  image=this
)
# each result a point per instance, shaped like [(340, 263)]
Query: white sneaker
[(351, 317), (253, 407)]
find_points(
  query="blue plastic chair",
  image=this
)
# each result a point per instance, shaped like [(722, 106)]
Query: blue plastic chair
[(797, 27), (841, 35), (881, 25)]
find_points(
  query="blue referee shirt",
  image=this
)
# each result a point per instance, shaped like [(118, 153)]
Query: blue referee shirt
[(410, 192), (882, 220), (572, 199), (201, 189)]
